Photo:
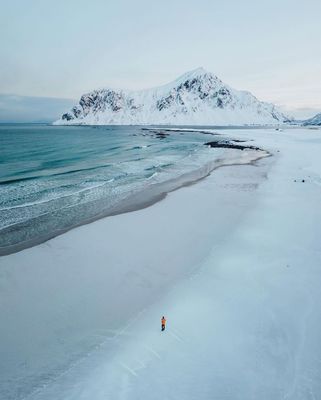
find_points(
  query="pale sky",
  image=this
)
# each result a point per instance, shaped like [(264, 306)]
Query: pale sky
[(62, 49)]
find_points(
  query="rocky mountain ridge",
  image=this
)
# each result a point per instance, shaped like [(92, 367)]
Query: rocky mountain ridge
[(196, 98)]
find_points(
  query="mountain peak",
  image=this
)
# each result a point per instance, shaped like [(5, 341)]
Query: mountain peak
[(197, 97), (195, 73), (316, 120)]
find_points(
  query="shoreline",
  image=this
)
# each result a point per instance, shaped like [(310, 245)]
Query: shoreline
[(143, 199), (82, 288), (81, 313)]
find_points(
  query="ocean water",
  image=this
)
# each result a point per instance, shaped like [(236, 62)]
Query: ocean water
[(53, 178)]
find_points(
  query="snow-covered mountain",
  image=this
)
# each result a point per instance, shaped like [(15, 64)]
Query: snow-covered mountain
[(196, 98), (316, 120)]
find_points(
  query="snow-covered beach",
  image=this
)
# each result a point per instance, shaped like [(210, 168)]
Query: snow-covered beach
[(233, 262)]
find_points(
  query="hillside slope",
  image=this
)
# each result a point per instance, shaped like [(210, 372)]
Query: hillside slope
[(196, 98)]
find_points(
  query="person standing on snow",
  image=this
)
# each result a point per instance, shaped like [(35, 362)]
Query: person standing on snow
[(163, 320)]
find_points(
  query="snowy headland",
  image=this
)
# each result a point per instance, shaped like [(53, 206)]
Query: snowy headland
[(197, 97), (233, 262)]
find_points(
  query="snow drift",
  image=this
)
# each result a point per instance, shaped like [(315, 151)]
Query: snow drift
[(196, 98)]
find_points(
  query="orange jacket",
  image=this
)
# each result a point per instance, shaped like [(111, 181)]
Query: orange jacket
[(163, 321)]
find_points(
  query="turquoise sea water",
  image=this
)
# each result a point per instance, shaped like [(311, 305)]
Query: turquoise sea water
[(53, 177)]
